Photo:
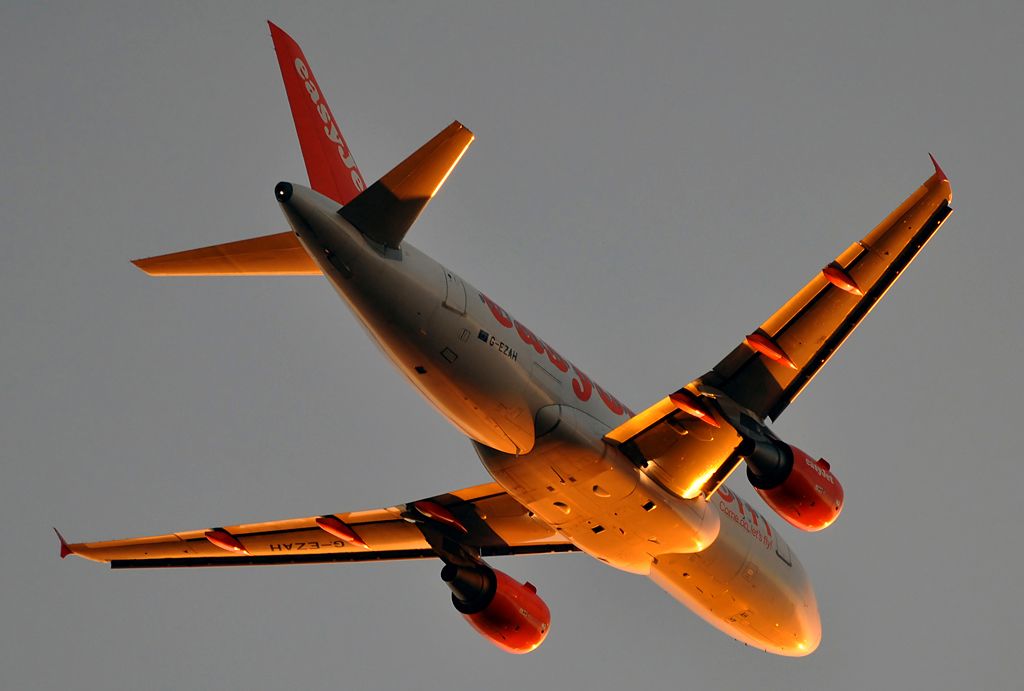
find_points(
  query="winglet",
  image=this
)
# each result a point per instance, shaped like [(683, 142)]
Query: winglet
[(938, 168), (65, 549)]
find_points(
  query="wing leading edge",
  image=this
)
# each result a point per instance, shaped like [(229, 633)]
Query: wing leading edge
[(483, 519)]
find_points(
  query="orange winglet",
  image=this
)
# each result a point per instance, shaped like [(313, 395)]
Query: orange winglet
[(938, 169), (65, 549)]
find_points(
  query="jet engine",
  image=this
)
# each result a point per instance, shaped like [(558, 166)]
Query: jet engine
[(506, 612), (800, 489)]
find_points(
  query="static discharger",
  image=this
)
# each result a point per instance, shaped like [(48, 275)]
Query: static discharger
[(225, 540), (841, 279), (436, 512), (685, 401), (336, 527), (769, 348)]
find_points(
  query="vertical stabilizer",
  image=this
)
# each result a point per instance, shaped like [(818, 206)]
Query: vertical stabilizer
[(332, 168)]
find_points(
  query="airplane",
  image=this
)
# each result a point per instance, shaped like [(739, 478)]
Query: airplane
[(573, 468)]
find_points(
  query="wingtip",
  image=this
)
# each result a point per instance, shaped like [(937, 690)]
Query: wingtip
[(143, 266), (938, 169), (65, 549), (457, 126)]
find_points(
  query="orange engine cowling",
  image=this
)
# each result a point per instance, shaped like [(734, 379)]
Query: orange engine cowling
[(506, 612), (800, 489)]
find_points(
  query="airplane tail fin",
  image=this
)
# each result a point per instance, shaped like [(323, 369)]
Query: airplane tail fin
[(384, 212), (329, 162)]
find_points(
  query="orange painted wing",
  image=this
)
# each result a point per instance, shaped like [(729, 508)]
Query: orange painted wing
[(811, 326), (769, 369), (495, 524)]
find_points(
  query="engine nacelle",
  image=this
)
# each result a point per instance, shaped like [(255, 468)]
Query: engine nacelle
[(800, 489), (506, 612)]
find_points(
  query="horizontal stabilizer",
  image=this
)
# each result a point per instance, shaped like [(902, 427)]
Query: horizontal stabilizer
[(279, 254), (389, 207)]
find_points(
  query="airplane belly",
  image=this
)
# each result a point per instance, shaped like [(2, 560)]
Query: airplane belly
[(416, 312), (596, 498), (485, 373), (747, 584)]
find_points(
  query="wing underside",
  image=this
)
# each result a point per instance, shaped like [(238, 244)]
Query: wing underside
[(483, 519), (769, 369), (807, 331)]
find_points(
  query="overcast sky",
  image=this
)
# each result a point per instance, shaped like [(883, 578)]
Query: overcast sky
[(648, 184)]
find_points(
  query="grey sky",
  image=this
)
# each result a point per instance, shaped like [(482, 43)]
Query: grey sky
[(647, 185)]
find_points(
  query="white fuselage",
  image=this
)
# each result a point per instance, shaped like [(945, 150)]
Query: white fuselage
[(537, 423)]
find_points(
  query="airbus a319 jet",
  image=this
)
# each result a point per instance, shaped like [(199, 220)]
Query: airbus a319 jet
[(574, 469)]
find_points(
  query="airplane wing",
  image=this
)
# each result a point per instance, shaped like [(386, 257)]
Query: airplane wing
[(772, 366), (769, 369), (477, 521)]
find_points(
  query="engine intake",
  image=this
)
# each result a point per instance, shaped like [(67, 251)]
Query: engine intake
[(506, 612), (800, 489)]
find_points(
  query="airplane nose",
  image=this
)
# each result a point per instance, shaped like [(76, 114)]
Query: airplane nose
[(283, 191), (796, 631), (804, 620), (809, 627)]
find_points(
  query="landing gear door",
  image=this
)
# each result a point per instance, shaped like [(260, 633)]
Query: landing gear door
[(455, 293)]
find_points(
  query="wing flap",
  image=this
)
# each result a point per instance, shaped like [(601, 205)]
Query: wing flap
[(269, 255), (335, 558)]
